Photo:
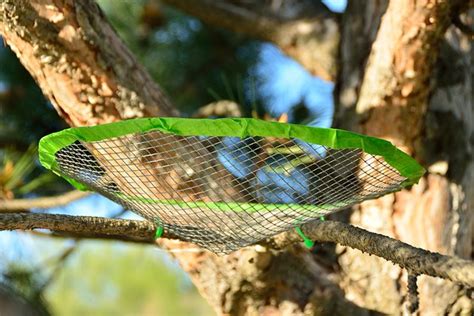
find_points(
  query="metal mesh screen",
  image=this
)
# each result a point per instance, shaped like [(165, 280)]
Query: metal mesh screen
[(224, 193)]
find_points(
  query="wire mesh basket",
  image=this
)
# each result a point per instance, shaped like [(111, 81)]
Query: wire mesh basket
[(227, 183)]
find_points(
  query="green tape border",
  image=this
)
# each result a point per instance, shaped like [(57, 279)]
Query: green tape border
[(236, 127)]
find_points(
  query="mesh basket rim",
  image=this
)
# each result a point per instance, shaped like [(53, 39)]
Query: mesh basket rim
[(332, 138)]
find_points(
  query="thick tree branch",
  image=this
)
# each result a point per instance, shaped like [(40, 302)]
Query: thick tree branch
[(81, 226), (81, 65), (398, 83), (396, 87), (7, 206), (416, 260), (309, 33)]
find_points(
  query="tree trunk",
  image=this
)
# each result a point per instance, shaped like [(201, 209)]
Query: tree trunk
[(91, 77), (427, 113)]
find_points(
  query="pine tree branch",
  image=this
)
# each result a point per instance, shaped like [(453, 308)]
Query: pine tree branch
[(415, 260), (81, 226), (11, 206), (307, 28)]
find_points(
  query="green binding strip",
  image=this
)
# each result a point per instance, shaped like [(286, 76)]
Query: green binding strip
[(237, 127), (234, 206)]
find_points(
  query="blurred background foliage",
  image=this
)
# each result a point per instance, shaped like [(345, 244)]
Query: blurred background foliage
[(196, 65), (187, 58), (122, 280)]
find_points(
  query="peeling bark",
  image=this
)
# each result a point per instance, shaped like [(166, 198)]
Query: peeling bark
[(410, 98), (395, 87)]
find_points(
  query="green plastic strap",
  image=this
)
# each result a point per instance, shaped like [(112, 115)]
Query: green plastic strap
[(159, 231), (235, 206), (236, 127), (307, 242)]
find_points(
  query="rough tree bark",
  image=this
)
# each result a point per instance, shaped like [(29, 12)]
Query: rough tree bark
[(90, 77), (80, 64), (430, 114)]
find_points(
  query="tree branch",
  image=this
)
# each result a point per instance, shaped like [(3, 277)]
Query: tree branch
[(80, 64), (7, 206), (81, 226), (395, 86), (309, 33), (415, 260)]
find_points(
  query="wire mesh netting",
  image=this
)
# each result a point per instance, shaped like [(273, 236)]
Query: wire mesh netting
[(225, 192)]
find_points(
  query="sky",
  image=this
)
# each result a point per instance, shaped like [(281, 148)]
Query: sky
[(285, 83), (336, 5)]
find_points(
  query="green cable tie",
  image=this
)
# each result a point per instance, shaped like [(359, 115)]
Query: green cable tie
[(159, 232), (307, 242)]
